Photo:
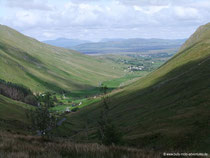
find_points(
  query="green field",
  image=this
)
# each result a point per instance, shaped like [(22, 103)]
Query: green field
[(85, 102)]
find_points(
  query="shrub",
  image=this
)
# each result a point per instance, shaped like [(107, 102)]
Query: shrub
[(75, 109), (30, 99), (110, 135)]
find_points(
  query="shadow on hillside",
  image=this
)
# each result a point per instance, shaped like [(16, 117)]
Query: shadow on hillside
[(172, 114)]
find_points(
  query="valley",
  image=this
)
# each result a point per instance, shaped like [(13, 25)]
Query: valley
[(128, 63), (157, 99), (64, 73), (166, 109)]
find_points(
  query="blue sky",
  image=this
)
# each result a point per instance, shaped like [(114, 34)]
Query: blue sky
[(98, 19)]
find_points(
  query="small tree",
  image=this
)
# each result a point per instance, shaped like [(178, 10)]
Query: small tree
[(111, 135), (42, 121), (107, 131)]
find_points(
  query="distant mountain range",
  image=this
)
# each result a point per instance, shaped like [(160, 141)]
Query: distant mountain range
[(111, 39), (128, 45), (118, 45), (65, 43)]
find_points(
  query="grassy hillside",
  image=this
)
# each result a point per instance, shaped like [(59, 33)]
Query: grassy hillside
[(12, 115), (168, 109), (13, 144), (22, 146), (42, 67)]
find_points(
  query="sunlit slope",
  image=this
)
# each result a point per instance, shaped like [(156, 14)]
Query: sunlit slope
[(170, 108), (201, 34), (43, 67)]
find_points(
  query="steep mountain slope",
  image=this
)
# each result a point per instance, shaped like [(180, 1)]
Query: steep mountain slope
[(129, 45), (168, 109), (42, 67), (12, 115)]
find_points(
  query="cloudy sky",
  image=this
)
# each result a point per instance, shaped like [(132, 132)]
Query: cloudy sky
[(98, 19)]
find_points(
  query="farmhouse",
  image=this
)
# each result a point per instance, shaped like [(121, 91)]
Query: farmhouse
[(135, 68), (68, 110)]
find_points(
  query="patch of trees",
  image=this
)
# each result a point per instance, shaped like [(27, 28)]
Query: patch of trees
[(17, 92), (47, 99)]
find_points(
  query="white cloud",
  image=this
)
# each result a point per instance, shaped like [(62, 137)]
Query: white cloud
[(48, 34), (186, 12), (28, 4), (150, 9), (95, 19), (25, 18)]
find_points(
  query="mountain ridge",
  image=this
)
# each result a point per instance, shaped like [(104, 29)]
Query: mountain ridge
[(65, 42), (132, 45)]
